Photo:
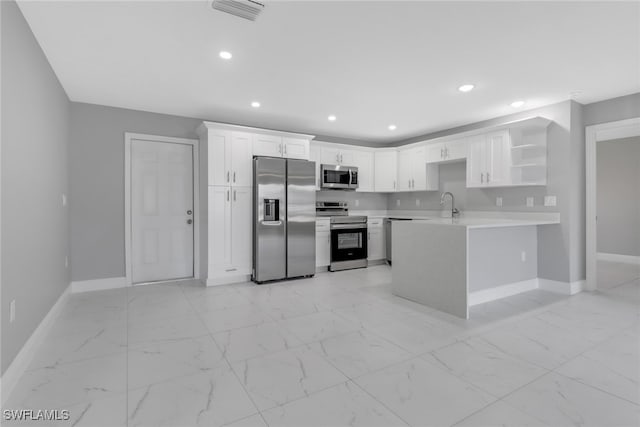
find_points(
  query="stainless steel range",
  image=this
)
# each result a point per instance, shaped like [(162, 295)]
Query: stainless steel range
[(348, 236), (348, 242)]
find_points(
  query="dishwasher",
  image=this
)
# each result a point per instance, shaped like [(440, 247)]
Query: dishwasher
[(387, 234)]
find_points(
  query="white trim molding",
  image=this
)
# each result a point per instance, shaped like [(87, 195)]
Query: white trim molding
[(564, 288), (626, 259), (98, 284), (24, 357), (503, 291), (195, 143), (594, 134)]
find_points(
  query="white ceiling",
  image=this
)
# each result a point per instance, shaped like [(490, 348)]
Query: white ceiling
[(369, 63)]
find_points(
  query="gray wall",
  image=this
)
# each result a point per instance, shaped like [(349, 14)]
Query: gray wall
[(611, 110), (618, 172), (97, 182), (35, 225)]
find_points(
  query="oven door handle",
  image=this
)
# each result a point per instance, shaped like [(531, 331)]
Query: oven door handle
[(348, 227), (272, 223)]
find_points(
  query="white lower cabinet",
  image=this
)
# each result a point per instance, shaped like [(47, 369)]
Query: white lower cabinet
[(230, 232), (376, 244), (323, 242)]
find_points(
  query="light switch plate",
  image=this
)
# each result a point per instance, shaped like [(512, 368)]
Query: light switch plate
[(398, 202), (550, 200), (357, 202), (12, 311), (498, 201), (417, 202), (529, 202), (64, 199)]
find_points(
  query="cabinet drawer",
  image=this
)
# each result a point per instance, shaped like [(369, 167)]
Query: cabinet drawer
[(374, 222), (322, 225)]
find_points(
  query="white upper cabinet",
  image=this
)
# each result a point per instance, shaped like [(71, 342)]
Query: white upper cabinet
[(229, 155), (314, 156), (449, 151), (219, 155), (413, 172), (267, 145), (280, 146), (336, 155), (385, 170), (363, 160), (295, 148), (489, 161), (241, 160)]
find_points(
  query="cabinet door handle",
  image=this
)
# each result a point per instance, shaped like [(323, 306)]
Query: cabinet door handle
[(394, 184), (482, 178), (285, 149), (442, 153), (488, 178), (369, 235), (413, 183), (227, 176), (234, 177), (227, 195), (409, 183), (234, 195), (337, 158)]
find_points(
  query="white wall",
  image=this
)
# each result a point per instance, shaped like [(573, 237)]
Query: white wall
[(618, 196)]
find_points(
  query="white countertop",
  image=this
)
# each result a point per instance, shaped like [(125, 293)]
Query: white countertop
[(484, 222), (470, 219)]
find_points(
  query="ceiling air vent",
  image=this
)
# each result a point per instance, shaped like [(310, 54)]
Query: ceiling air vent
[(247, 9)]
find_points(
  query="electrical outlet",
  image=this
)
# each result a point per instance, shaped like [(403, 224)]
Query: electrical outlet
[(523, 256), (357, 202), (66, 261), (397, 202), (417, 202), (550, 200), (498, 201), (12, 311), (529, 202), (64, 199)]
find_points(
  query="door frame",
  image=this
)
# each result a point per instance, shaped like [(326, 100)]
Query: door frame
[(594, 134), (195, 144)]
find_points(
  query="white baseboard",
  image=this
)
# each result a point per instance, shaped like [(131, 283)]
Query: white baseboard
[(503, 291), (22, 360), (564, 288), (228, 280), (627, 259), (98, 284)]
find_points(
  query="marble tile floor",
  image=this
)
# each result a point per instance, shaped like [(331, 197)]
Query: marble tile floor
[(337, 350)]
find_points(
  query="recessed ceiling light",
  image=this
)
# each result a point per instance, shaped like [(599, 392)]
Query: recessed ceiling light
[(517, 104), (332, 118), (392, 127), (255, 104), (225, 55), (466, 88)]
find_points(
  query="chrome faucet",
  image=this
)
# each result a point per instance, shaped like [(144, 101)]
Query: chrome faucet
[(454, 212)]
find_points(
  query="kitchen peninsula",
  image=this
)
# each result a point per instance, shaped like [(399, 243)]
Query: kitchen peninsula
[(452, 264)]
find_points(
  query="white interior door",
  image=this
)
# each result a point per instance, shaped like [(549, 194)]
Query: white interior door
[(161, 211)]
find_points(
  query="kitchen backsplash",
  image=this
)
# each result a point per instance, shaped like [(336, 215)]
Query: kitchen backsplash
[(356, 200)]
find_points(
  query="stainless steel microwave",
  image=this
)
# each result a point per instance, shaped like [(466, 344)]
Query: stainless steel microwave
[(339, 177)]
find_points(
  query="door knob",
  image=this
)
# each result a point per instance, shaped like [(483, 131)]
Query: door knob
[(189, 212), (189, 221)]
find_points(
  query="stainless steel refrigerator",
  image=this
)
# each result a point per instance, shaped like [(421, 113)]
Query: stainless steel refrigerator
[(284, 215)]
